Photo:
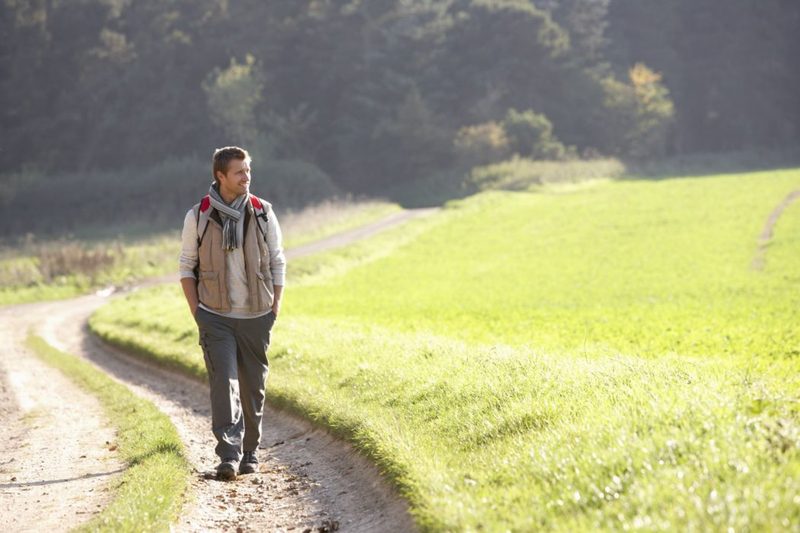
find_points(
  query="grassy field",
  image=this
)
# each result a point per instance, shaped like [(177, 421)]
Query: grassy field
[(588, 356), (150, 492)]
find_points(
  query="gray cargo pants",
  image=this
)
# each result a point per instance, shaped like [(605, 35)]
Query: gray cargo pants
[(235, 353)]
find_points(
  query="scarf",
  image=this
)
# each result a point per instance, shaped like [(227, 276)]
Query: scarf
[(232, 216)]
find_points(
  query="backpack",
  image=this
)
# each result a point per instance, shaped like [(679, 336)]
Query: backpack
[(202, 211)]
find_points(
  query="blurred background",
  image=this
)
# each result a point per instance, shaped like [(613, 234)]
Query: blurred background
[(112, 108)]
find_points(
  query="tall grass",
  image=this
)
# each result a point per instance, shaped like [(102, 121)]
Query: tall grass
[(43, 269)]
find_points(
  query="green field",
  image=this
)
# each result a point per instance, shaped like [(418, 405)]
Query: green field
[(597, 355)]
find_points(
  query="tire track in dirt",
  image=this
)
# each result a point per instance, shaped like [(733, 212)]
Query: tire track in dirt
[(766, 233)]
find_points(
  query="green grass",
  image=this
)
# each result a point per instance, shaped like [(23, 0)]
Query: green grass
[(593, 356), (329, 218), (150, 492)]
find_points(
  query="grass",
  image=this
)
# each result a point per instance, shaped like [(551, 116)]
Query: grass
[(332, 216), (586, 356), (64, 268), (150, 492)]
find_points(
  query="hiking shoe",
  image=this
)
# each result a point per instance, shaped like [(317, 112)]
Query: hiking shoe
[(249, 464), (227, 469)]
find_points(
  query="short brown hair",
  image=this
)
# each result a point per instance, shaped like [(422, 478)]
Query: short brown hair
[(223, 156)]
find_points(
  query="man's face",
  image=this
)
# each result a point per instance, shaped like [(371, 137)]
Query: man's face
[(237, 179)]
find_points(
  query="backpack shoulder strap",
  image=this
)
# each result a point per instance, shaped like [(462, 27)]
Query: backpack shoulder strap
[(260, 210), (202, 211)]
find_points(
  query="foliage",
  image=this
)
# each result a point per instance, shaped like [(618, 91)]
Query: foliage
[(593, 356), (531, 135), (481, 144), (374, 93), (643, 113), (233, 94)]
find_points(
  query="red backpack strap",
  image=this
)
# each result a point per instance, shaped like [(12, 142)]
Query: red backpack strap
[(202, 212)]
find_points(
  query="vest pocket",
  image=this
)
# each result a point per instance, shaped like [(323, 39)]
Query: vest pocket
[(265, 291), (208, 289)]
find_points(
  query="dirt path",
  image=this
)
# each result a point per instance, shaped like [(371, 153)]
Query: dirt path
[(309, 481), (769, 226), (56, 466), (363, 232)]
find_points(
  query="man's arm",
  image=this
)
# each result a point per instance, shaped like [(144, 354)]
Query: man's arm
[(188, 260), (277, 260), (190, 291), (276, 302)]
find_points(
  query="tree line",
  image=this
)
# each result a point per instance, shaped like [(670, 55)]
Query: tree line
[(380, 92)]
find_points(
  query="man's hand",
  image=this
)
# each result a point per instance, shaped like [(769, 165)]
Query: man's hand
[(190, 291), (276, 301)]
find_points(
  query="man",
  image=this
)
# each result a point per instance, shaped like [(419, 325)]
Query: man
[(232, 271)]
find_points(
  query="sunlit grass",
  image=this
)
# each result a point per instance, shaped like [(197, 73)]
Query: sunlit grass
[(593, 357)]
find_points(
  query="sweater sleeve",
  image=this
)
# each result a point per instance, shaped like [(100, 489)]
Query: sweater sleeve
[(188, 257), (277, 259)]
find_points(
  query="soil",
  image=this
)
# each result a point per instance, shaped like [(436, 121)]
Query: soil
[(57, 458)]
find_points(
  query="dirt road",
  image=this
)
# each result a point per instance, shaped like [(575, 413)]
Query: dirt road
[(309, 481), (56, 463)]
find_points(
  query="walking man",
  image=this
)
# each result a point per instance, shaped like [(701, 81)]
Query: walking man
[(232, 270)]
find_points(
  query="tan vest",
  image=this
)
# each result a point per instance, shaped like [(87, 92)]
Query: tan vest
[(212, 283)]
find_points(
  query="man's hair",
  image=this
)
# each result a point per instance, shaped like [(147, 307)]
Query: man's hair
[(223, 156)]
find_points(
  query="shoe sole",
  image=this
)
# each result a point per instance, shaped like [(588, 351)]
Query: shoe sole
[(249, 469), (226, 474)]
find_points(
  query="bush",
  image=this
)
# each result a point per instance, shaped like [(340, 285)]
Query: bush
[(481, 144), (531, 135)]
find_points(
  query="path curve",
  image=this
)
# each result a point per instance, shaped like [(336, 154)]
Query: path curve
[(57, 455), (309, 480)]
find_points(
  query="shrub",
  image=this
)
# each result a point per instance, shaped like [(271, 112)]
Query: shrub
[(531, 135), (481, 144)]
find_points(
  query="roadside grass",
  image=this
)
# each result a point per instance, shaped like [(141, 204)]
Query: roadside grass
[(149, 495), (64, 268), (332, 216), (595, 356)]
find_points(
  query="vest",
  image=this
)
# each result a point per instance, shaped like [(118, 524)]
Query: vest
[(212, 270)]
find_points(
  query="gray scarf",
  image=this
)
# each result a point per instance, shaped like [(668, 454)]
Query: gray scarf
[(232, 216)]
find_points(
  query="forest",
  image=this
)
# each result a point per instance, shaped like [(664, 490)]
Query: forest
[(358, 96)]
